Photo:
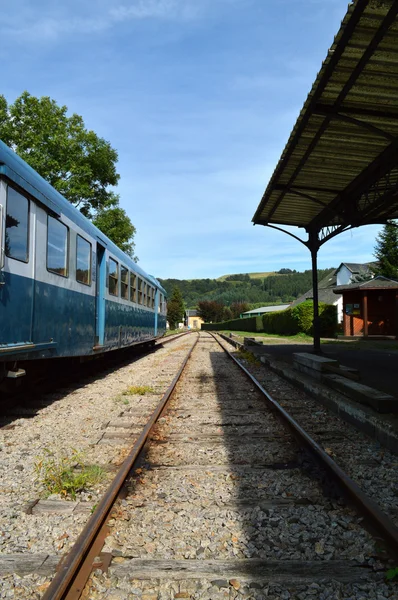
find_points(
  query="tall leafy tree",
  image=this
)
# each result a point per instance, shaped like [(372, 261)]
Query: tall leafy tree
[(386, 251), (74, 160), (175, 308), (237, 308), (118, 227), (211, 311)]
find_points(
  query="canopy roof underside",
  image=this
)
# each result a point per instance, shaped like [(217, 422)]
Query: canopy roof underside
[(339, 168)]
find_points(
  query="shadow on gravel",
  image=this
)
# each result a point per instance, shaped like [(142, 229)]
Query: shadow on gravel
[(276, 492), (48, 381)]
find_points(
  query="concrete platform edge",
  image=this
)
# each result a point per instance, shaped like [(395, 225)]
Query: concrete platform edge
[(350, 411)]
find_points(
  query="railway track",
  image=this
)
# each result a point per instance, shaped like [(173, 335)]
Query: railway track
[(49, 375), (90, 417), (223, 501)]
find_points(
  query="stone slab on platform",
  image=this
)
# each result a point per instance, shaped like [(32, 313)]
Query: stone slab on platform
[(379, 401), (313, 361), (344, 371), (381, 427)]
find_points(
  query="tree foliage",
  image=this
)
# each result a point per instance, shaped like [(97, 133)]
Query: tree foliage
[(74, 160), (175, 308), (386, 251), (211, 311), (118, 227), (237, 308)]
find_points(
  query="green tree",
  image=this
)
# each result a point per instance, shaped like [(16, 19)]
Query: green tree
[(175, 308), (211, 311), (237, 308), (115, 223), (386, 251), (73, 159)]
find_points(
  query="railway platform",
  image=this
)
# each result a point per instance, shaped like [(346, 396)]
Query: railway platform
[(376, 368)]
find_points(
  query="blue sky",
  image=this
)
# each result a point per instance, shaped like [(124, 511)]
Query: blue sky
[(199, 98)]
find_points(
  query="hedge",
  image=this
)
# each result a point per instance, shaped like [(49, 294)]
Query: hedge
[(253, 324), (284, 322), (281, 322)]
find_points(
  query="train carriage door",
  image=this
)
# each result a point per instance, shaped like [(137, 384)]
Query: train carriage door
[(100, 296), (17, 239)]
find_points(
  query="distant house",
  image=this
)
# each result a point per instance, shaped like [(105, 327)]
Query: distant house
[(345, 274), (192, 320), (258, 312)]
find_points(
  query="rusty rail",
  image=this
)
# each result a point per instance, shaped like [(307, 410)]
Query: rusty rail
[(379, 521), (70, 565)]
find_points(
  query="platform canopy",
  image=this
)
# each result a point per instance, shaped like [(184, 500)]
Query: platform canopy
[(339, 168)]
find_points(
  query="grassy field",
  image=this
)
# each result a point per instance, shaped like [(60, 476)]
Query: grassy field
[(251, 275)]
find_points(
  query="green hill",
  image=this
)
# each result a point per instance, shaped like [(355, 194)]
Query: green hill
[(254, 288)]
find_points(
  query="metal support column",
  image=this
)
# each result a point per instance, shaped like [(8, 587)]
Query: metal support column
[(313, 245), (365, 314)]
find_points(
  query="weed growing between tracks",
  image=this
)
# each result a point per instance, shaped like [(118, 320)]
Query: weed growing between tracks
[(139, 390), (249, 357), (66, 475)]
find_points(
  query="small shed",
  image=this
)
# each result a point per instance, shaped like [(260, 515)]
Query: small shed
[(370, 308), (258, 312)]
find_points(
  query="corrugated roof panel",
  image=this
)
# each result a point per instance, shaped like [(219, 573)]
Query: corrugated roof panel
[(346, 135)]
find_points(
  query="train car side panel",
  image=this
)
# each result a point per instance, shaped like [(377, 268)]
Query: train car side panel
[(64, 308)]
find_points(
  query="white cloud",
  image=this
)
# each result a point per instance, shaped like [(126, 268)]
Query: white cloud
[(53, 21)]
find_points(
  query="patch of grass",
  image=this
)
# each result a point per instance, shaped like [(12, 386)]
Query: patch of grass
[(299, 337), (249, 357), (173, 332), (138, 390), (66, 475), (392, 574)]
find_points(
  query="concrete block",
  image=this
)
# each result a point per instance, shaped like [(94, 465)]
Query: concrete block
[(308, 371), (251, 342), (379, 401), (348, 372), (313, 361)]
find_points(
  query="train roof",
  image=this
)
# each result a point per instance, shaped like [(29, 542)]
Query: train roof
[(14, 168)]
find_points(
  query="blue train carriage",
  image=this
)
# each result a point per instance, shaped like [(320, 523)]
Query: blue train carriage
[(65, 288)]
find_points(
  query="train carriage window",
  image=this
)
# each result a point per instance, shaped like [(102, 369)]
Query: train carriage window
[(160, 303), (124, 282), (57, 247), (17, 226), (148, 293), (153, 297), (144, 293), (113, 277), (139, 290), (83, 260), (133, 287)]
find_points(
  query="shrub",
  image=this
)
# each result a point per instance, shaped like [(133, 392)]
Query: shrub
[(303, 314)]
